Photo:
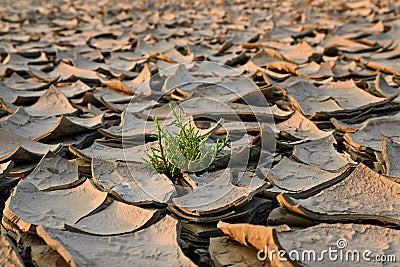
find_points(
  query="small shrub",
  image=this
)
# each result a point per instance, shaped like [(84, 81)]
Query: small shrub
[(185, 150)]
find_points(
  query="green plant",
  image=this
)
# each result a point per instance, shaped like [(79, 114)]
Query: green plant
[(183, 150)]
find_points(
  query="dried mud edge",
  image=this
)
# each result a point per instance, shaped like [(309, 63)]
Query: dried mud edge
[(98, 185), (156, 217), (314, 190), (285, 200), (236, 204), (57, 246)]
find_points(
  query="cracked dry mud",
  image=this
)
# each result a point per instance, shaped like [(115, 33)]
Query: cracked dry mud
[(308, 91)]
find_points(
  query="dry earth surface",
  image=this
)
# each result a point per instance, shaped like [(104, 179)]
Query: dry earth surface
[(308, 91)]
